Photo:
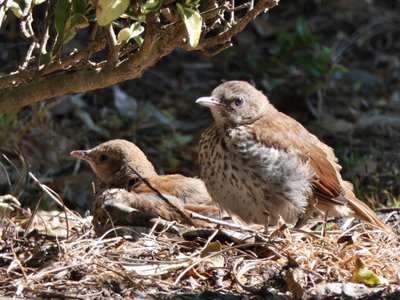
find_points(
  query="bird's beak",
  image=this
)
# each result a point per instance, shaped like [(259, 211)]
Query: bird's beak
[(82, 154), (208, 101)]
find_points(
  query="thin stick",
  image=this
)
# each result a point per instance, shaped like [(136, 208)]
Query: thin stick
[(33, 214), (215, 254), (50, 192), (58, 201), (146, 182), (194, 215)]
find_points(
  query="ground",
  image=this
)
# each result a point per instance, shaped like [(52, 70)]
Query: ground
[(334, 66)]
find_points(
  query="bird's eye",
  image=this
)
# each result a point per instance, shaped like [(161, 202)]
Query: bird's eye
[(239, 101), (103, 157)]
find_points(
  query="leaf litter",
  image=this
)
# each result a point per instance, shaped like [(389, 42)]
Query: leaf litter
[(56, 260)]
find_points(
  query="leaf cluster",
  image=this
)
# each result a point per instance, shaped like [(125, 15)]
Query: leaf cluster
[(119, 35)]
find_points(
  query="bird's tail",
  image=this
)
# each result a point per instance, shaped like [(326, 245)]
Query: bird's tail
[(363, 212)]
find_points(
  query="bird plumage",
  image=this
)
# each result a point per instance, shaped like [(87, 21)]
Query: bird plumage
[(115, 162), (271, 165)]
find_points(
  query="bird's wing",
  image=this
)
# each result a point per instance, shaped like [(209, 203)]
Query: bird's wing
[(285, 133), (145, 202), (189, 190), (162, 183)]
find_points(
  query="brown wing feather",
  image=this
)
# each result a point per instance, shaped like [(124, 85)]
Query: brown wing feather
[(189, 190), (326, 181), (329, 187), (148, 203)]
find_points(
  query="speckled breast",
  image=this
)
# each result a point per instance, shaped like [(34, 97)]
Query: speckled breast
[(254, 181)]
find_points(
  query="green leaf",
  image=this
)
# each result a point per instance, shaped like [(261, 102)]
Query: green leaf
[(301, 27), (184, 139), (62, 14), (124, 35), (193, 4), (79, 6), (75, 22), (193, 22), (151, 5), (109, 10), (362, 274), (133, 31), (138, 40), (325, 56), (339, 69), (79, 21)]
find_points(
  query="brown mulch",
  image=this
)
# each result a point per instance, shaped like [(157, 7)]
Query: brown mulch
[(52, 259)]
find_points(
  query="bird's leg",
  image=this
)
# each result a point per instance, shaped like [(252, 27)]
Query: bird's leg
[(303, 219), (307, 214), (325, 214), (266, 223)]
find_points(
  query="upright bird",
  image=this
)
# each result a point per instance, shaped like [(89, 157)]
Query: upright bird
[(115, 162), (261, 164)]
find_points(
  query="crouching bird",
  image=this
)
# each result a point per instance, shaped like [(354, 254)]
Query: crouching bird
[(261, 164), (126, 177)]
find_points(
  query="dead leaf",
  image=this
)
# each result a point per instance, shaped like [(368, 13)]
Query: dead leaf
[(294, 287), (362, 274), (217, 260), (193, 273)]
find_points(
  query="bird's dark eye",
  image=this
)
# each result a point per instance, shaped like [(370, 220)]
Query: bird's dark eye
[(239, 101), (103, 157)]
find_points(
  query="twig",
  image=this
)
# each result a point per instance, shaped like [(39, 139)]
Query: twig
[(223, 223), (240, 7), (236, 277), (221, 48), (73, 60), (18, 261), (26, 29), (46, 36), (2, 11), (54, 295), (5, 171), (167, 226), (95, 248), (210, 238), (215, 254), (135, 284), (49, 270), (158, 42), (225, 36), (50, 192), (232, 20), (33, 214), (112, 45), (28, 56), (146, 182), (111, 221)]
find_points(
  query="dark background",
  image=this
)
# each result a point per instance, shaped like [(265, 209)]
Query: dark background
[(332, 65)]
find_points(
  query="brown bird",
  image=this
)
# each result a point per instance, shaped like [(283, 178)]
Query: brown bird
[(261, 164), (115, 162)]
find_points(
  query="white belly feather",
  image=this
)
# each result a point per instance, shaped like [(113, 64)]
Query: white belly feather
[(258, 180)]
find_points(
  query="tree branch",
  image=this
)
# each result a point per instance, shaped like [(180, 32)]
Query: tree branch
[(158, 42)]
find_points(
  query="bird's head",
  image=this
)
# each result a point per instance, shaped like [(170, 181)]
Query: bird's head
[(112, 162), (235, 103)]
